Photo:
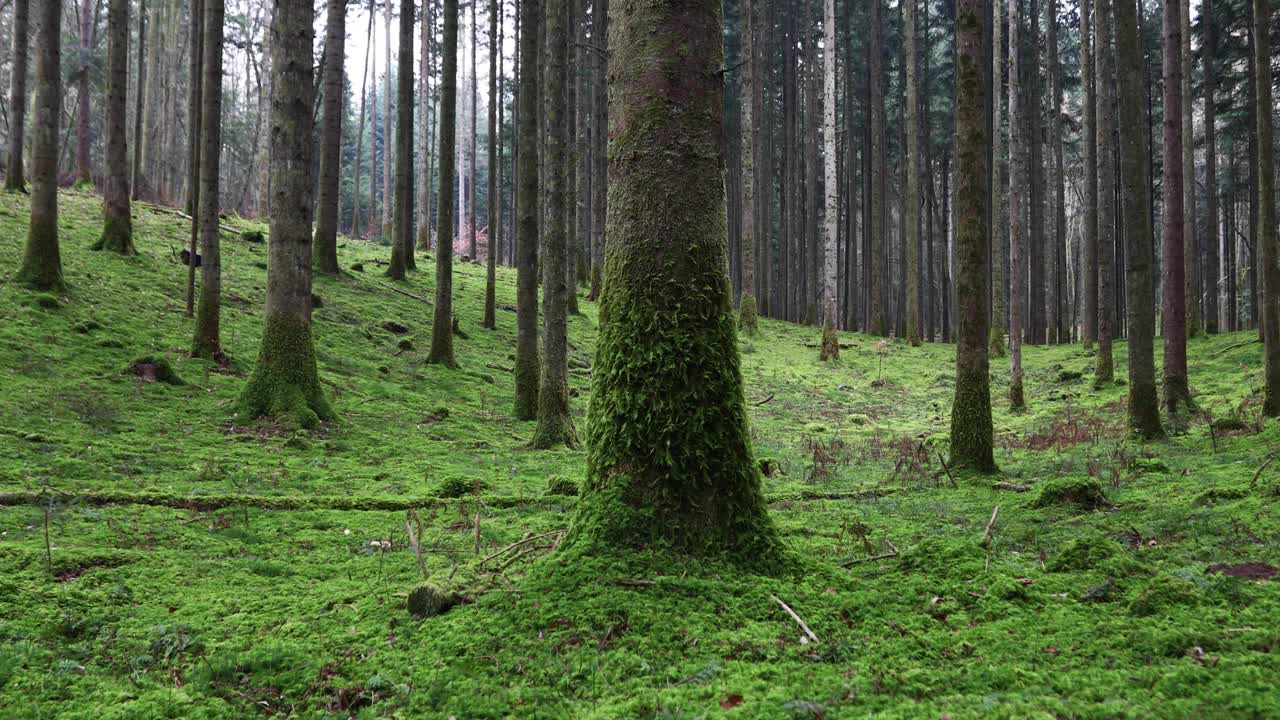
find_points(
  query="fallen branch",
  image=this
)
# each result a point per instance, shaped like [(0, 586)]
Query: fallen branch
[(1228, 348), (518, 543), (944, 467), (795, 617), (758, 404), (986, 538), (1254, 482), (419, 298), (873, 558)]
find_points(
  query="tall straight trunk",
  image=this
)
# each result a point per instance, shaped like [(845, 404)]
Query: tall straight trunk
[(555, 425), (402, 220), (1144, 411), (1036, 242), (498, 202), (911, 193), (971, 427), (135, 174), (1190, 235), (1230, 308), (472, 140), (527, 365), (1177, 395), (944, 262), (1058, 321), (749, 139), (876, 324), (207, 342), (424, 130), (1017, 194), (388, 201), (573, 148), (600, 138), (1209, 263), (442, 322), (15, 175), (285, 383), (264, 140), (1265, 240), (764, 160), (490, 311), (1089, 249), (703, 495), (831, 183), (359, 168), (812, 130), (117, 226), (325, 250), (998, 186), (195, 115), (1104, 366), (41, 260), (84, 172)]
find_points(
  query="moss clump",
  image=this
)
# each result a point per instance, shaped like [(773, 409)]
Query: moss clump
[(1213, 496), (154, 368), (1082, 492), (456, 487), (830, 343), (1165, 592), (1085, 553), (429, 600), (945, 558), (84, 327), (1143, 466), (748, 315), (253, 236), (561, 485), (46, 301), (285, 383), (768, 466)]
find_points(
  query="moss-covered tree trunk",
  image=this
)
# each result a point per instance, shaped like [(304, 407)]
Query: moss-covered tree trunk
[(15, 174), (1104, 365), (971, 428), (555, 424), (911, 195), (1191, 248), (207, 342), (284, 381), (1017, 196), (1177, 394), (490, 276), (1089, 246), (527, 366), (402, 224), (669, 455), (41, 261), (1144, 409), (1266, 239), (117, 225), (442, 324), (325, 258), (998, 187)]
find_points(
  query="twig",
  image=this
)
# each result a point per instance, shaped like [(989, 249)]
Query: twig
[(403, 292), (944, 467), (1233, 347), (873, 558), (726, 71), (477, 532), (758, 404), (986, 538), (411, 520), (795, 617), (518, 543), (626, 582), (1254, 482)]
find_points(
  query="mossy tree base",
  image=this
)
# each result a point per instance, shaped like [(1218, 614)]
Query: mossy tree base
[(117, 236), (285, 382), (1017, 401), (971, 426), (748, 315), (996, 345), (830, 343), (42, 263), (1176, 397)]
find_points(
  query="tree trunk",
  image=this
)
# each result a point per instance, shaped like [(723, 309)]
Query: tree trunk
[(285, 383), (600, 139), (876, 324), (527, 365), (117, 226), (474, 253), (1058, 326), (424, 131), (15, 175), (41, 261), (1105, 54), (84, 174), (402, 222), (679, 473), (442, 325), (388, 200), (207, 342), (747, 310), (830, 341), (326, 241), (1089, 251), (195, 115), (555, 425), (358, 169), (1017, 194), (1265, 239), (490, 310), (135, 174), (264, 140), (998, 186), (911, 193), (1177, 395), (1191, 245), (1209, 264), (1144, 411)]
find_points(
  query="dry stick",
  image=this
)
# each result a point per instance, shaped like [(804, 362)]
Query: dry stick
[(518, 543), (1253, 483), (477, 532), (944, 467), (758, 404), (402, 292), (859, 561), (795, 617), (410, 518), (986, 538)]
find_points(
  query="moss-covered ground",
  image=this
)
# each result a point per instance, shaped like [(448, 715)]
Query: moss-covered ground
[(198, 566)]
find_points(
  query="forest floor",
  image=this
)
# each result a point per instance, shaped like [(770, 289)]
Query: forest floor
[(158, 560)]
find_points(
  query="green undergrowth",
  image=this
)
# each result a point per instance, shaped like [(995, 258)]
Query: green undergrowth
[(198, 567)]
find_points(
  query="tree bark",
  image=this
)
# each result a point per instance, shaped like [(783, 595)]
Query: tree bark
[(41, 261), (527, 365), (1017, 194), (388, 200), (325, 250), (135, 174), (15, 174), (876, 324), (830, 319), (1058, 330), (207, 342), (600, 138), (442, 325), (402, 223), (1089, 251), (911, 193), (1265, 239), (1209, 264), (195, 115), (1177, 394), (1191, 245), (117, 226), (84, 173), (424, 130), (1104, 366), (998, 186), (490, 302), (358, 169)]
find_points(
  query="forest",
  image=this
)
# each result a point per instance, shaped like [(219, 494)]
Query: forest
[(660, 359)]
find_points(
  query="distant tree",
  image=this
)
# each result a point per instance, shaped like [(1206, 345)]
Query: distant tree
[(473, 250), (88, 16), (971, 428), (425, 167), (356, 229), (41, 262), (135, 172), (325, 250), (207, 342), (490, 290), (669, 454), (600, 138), (876, 324), (1177, 393), (15, 176), (402, 225), (555, 424), (1058, 327), (1105, 50), (284, 381), (527, 364), (830, 341), (1017, 195), (117, 229), (195, 114), (1266, 231), (442, 326), (1211, 271), (1191, 252), (388, 202), (747, 310), (998, 186), (1089, 121), (911, 192)]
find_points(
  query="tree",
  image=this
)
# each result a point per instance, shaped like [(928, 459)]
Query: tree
[(600, 138), (88, 12), (555, 425), (971, 427), (527, 365), (135, 172), (1089, 121), (284, 381), (1058, 329), (1135, 204), (1105, 50), (15, 175), (747, 310), (207, 342), (490, 301), (326, 242), (195, 114), (911, 198), (364, 95), (424, 129), (1191, 251), (442, 325), (117, 226), (830, 341), (41, 261), (402, 225), (876, 324), (1017, 193), (1177, 394), (1211, 272), (387, 198), (669, 456), (996, 344), (1265, 239)]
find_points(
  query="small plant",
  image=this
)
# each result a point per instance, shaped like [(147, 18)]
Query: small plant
[(826, 457), (882, 350), (52, 506)]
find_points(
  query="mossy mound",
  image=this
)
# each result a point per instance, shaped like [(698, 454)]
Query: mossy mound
[(84, 327), (945, 558), (253, 236), (45, 301), (154, 368), (1082, 492), (456, 487), (1085, 553), (1163, 593), (1142, 466), (561, 485), (768, 466), (429, 600), (1213, 496)]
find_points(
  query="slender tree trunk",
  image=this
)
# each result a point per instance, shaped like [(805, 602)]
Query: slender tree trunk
[(117, 227), (555, 425), (264, 140), (876, 324), (424, 131), (358, 169), (1191, 245), (998, 186), (195, 115), (527, 364), (325, 259), (442, 327), (15, 176), (207, 342), (1058, 320), (388, 200), (1017, 195), (135, 174), (911, 192), (1265, 238), (84, 174), (600, 139), (472, 147), (1209, 264), (1104, 367), (1089, 251), (830, 319), (747, 310), (490, 309), (41, 261), (402, 222), (1177, 395)]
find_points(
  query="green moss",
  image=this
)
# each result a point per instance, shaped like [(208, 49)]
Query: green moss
[(1084, 493), (154, 368), (747, 314), (117, 235), (1164, 593), (1085, 553), (428, 600), (46, 301), (561, 485), (830, 343), (284, 383), (456, 487)]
